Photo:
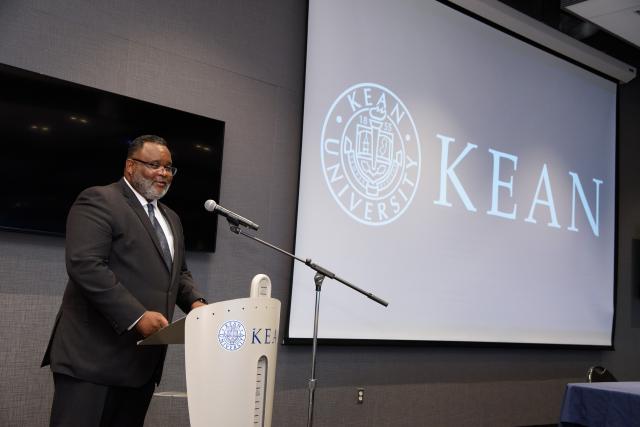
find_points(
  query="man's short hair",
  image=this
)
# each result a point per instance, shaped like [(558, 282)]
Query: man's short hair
[(137, 143)]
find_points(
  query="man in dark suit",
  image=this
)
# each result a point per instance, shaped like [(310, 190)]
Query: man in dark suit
[(125, 260)]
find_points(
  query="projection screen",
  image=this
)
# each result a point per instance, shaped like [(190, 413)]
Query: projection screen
[(462, 174)]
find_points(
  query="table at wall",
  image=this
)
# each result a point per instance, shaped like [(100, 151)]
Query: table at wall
[(607, 404)]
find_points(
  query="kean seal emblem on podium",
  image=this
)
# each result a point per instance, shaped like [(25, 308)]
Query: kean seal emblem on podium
[(370, 154), (232, 335)]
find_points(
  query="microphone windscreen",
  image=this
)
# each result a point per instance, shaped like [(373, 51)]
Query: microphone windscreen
[(210, 205)]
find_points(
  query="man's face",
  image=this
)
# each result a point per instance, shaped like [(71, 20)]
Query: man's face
[(151, 183)]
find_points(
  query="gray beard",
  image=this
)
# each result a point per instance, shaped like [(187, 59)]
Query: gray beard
[(144, 186)]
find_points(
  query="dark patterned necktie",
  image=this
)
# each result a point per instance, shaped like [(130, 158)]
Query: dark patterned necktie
[(166, 253)]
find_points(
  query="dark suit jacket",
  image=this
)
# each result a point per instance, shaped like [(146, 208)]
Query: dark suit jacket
[(116, 273)]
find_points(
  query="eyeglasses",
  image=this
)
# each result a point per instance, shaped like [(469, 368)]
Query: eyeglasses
[(172, 170)]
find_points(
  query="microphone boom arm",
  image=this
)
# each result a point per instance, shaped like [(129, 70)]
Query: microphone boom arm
[(316, 267)]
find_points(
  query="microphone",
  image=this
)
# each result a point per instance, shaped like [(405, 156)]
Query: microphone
[(232, 217)]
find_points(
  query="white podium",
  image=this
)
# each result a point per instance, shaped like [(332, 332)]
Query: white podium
[(230, 358)]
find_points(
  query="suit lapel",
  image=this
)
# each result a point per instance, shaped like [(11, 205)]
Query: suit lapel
[(135, 204)]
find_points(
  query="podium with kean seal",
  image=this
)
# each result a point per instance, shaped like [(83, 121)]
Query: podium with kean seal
[(230, 358)]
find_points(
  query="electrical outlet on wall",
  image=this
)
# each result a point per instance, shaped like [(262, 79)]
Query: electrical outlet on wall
[(360, 395)]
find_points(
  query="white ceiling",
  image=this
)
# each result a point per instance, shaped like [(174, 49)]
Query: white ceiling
[(532, 29), (619, 17)]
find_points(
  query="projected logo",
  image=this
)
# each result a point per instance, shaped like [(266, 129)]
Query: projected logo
[(370, 154)]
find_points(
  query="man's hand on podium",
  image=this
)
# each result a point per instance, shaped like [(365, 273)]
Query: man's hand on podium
[(197, 303), (150, 322)]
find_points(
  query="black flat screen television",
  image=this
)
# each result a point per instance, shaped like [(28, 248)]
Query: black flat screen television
[(59, 138)]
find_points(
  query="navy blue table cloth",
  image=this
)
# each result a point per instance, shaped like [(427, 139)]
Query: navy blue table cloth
[(607, 404)]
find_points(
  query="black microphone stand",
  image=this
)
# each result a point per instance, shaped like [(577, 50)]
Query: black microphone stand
[(320, 275)]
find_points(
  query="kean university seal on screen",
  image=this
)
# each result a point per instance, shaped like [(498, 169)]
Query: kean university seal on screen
[(370, 154)]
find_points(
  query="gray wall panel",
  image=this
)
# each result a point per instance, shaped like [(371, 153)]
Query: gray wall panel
[(25, 390)]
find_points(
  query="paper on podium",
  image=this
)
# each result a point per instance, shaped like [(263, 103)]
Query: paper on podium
[(170, 334)]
